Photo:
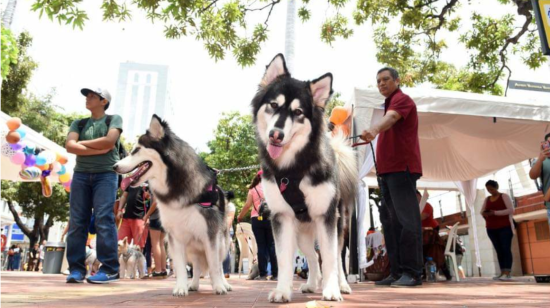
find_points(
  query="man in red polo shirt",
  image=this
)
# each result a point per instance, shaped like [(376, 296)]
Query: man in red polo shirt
[(399, 167)]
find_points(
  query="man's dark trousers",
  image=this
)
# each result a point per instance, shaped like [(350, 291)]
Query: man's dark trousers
[(400, 217)]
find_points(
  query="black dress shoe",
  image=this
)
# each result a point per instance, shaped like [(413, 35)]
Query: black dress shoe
[(386, 281), (407, 281)]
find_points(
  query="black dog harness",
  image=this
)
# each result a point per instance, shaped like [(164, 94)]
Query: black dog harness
[(290, 190), (210, 196)]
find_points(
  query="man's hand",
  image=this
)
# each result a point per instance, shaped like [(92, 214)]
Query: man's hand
[(544, 153), (370, 134)]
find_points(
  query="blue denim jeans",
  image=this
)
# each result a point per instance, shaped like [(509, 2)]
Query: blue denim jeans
[(97, 192)]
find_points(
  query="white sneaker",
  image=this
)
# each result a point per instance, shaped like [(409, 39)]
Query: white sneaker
[(506, 278)]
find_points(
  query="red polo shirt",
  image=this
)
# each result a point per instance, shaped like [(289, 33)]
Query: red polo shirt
[(399, 148)]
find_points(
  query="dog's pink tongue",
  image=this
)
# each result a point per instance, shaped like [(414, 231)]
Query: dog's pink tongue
[(125, 183), (274, 151)]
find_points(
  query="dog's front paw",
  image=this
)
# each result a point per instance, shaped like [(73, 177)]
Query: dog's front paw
[(228, 287), (194, 286), (219, 290), (279, 296), (180, 291), (332, 293), (308, 288), (345, 288)]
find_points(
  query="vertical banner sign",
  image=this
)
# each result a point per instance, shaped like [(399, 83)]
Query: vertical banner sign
[(542, 15)]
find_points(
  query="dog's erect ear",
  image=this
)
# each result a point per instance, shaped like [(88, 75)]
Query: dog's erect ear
[(321, 89), (125, 241), (276, 68), (156, 129)]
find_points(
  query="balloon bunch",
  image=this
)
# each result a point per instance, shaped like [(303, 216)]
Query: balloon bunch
[(36, 163), (338, 118)]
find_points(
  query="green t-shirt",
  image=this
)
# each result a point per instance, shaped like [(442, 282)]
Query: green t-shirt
[(545, 177), (92, 130)]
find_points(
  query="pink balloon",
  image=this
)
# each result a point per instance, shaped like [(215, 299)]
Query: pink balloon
[(18, 158), (68, 183)]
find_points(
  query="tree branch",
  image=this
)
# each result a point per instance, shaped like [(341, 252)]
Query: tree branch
[(523, 9), (441, 16), (272, 4), (208, 7), (18, 221)]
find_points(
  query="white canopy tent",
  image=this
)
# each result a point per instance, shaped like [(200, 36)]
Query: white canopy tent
[(463, 136), (10, 171)]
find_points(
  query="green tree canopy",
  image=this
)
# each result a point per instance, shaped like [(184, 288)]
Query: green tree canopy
[(9, 51), (410, 35), (234, 145)]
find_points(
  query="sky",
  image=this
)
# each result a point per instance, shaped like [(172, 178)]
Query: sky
[(200, 89)]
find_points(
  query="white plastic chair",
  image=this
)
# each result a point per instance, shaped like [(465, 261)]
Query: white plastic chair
[(247, 245), (451, 244)]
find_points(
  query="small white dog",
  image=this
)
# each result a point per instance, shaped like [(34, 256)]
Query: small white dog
[(131, 259), (92, 263)]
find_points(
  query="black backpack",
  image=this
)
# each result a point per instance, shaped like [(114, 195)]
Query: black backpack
[(121, 150)]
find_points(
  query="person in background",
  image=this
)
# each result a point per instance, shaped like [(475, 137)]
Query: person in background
[(33, 258), (42, 253), (427, 214), (261, 228), (11, 255), (459, 251), (16, 257), (230, 210), (541, 170), (157, 235), (497, 211), (132, 209)]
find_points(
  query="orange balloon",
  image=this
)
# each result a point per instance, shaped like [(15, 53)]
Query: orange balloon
[(67, 188), (343, 128), (44, 167), (338, 115), (62, 159), (13, 123), (13, 137)]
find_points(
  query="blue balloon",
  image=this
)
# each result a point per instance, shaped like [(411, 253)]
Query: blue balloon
[(21, 132), (29, 148), (40, 160), (62, 171)]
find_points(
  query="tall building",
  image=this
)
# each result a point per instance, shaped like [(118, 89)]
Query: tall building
[(141, 92)]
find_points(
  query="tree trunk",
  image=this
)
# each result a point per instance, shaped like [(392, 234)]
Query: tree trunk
[(46, 229), (18, 221)]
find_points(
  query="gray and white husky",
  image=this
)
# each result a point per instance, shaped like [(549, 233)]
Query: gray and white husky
[(309, 179), (180, 182)]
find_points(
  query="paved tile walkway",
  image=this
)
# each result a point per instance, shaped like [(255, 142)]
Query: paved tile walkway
[(22, 289)]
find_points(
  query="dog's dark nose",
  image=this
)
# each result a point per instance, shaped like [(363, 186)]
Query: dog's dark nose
[(115, 167), (276, 135)]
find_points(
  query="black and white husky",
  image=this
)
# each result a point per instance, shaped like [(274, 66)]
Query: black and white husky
[(191, 206), (309, 179)]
